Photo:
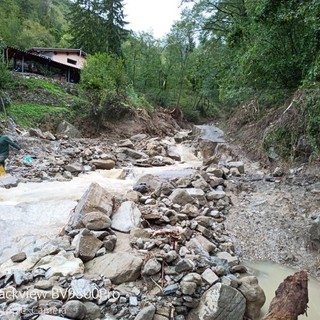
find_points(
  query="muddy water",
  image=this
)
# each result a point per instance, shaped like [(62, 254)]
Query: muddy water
[(270, 275), (32, 213)]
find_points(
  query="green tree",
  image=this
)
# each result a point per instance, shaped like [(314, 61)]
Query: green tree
[(144, 61), (112, 11), (98, 25), (36, 34), (104, 82), (10, 24), (180, 45), (268, 46), (30, 23)]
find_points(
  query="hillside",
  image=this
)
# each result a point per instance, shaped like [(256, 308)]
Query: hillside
[(286, 135), (38, 102)]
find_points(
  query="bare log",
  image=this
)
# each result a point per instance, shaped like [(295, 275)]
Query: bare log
[(291, 298)]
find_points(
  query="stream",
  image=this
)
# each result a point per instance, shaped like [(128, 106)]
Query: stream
[(32, 213)]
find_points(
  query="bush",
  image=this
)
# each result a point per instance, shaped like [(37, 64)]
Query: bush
[(6, 78), (283, 141), (104, 84), (104, 72), (138, 101), (191, 115), (313, 122)]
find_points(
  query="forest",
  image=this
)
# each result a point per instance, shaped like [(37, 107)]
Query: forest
[(221, 54)]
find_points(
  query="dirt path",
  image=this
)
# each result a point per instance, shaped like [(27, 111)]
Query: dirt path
[(271, 220)]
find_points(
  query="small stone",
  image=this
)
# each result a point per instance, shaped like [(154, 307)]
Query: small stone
[(232, 260), (43, 285), (147, 313), (209, 277), (278, 172), (102, 251), (133, 301), (170, 289), (93, 311), (152, 267), (184, 265), (183, 251), (239, 269), (75, 310), (19, 257), (188, 288)]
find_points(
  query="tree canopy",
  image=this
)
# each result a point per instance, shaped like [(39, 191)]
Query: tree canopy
[(98, 25), (220, 54)]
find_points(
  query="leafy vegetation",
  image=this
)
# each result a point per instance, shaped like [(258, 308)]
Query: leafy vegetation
[(6, 79), (33, 23), (313, 119), (104, 82), (283, 141)]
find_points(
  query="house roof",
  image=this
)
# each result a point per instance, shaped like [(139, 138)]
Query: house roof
[(61, 50), (16, 53)]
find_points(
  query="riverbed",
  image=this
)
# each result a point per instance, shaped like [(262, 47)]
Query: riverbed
[(33, 213)]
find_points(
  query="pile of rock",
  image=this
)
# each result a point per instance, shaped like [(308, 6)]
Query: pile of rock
[(49, 157), (160, 252)]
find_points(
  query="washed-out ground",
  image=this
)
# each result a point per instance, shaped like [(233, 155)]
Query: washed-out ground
[(271, 217)]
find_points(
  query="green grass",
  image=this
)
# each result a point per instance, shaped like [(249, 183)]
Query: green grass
[(31, 115), (51, 87)]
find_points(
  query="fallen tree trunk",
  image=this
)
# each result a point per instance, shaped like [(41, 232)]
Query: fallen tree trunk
[(291, 298)]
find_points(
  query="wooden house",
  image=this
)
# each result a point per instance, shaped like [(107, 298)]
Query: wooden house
[(59, 63)]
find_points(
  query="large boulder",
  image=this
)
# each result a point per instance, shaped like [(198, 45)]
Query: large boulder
[(66, 128), (118, 267), (86, 245), (62, 264), (132, 154), (151, 182), (96, 198), (207, 148), (96, 220), (181, 196), (236, 164), (8, 181), (74, 167), (127, 217), (107, 164), (36, 132), (155, 148), (173, 153), (220, 302), (254, 295)]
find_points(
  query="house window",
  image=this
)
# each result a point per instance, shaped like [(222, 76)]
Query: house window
[(71, 61)]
